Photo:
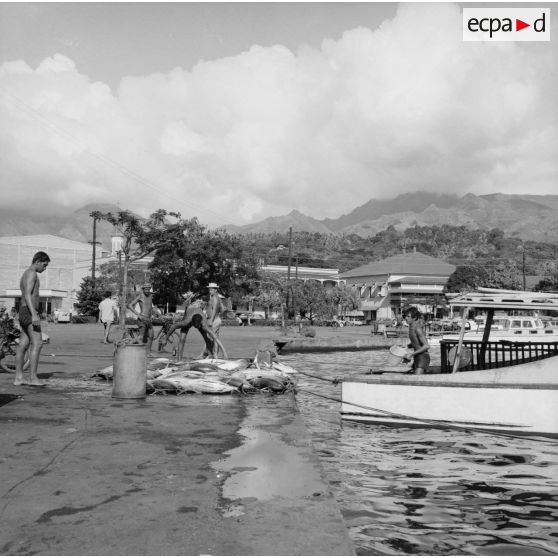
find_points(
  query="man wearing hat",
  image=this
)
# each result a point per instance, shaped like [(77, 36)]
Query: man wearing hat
[(213, 311), (145, 300)]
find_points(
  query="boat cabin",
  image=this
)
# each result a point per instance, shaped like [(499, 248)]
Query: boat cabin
[(533, 340)]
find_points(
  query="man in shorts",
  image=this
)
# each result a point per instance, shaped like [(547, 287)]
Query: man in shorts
[(213, 311), (30, 321), (145, 300), (194, 317), (419, 343), (108, 313)]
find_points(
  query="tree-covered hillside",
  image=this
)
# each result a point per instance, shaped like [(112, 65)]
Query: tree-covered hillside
[(455, 244)]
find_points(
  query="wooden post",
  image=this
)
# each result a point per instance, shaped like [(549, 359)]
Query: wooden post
[(464, 312), (485, 336)]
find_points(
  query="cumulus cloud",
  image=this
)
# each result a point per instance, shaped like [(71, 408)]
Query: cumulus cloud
[(375, 113)]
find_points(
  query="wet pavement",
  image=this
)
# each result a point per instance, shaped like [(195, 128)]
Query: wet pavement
[(86, 474)]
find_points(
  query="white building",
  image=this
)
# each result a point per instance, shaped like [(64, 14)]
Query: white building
[(70, 263), (388, 285), (327, 277)]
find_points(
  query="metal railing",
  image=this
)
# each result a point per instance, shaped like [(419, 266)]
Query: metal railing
[(496, 354)]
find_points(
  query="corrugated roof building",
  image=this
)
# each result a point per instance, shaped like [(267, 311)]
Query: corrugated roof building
[(386, 286)]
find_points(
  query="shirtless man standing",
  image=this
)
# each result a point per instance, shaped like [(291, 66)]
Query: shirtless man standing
[(30, 322), (213, 311), (145, 300), (419, 343)]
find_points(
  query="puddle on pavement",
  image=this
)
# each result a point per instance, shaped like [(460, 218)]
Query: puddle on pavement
[(264, 466)]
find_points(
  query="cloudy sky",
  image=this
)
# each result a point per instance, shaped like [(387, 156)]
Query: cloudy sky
[(236, 112)]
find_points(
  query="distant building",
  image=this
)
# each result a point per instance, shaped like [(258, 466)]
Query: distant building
[(388, 285), (326, 276), (70, 263)]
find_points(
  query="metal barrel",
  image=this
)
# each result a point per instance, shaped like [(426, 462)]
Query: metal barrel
[(130, 372)]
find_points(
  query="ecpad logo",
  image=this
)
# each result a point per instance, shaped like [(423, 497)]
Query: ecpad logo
[(506, 24)]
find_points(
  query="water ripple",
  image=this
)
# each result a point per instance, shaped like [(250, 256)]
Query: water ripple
[(429, 491)]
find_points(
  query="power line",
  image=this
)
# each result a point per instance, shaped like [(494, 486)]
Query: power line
[(48, 123)]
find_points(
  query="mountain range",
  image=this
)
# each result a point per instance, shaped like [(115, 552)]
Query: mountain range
[(529, 217)]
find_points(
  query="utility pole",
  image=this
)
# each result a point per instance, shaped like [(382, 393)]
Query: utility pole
[(289, 288), (521, 248), (290, 253), (524, 282), (94, 243)]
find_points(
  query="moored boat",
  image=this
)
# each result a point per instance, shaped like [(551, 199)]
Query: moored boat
[(505, 386), (513, 328)]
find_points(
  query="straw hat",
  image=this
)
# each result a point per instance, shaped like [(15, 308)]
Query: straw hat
[(212, 286)]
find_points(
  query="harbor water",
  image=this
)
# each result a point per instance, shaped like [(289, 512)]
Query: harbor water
[(426, 491)]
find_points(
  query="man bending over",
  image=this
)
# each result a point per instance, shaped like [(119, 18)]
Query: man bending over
[(194, 317)]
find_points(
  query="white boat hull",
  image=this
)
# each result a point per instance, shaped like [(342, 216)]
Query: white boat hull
[(519, 399)]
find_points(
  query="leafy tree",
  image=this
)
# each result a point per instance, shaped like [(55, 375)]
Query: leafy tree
[(140, 237), (342, 299), (90, 295), (550, 281), (312, 301), (193, 256), (270, 292), (467, 278), (505, 276)]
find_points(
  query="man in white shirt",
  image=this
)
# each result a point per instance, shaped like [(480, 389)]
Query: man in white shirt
[(108, 313)]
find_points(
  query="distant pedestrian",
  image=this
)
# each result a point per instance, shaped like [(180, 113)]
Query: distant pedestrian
[(145, 301), (30, 322), (108, 314)]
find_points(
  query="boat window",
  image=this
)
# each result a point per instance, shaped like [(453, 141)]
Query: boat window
[(516, 323), (527, 323)]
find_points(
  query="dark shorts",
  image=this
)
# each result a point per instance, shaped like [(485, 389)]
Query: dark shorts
[(145, 325), (421, 361), (25, 319)]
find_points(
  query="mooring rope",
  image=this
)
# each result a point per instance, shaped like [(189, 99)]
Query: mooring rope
[(76, 355), (435, 422), (335, 381), (335, 363)]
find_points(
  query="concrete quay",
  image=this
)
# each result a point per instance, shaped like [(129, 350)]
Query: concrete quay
[(86, 474)]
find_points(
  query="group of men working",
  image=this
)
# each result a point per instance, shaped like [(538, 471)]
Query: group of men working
[(208, 324)]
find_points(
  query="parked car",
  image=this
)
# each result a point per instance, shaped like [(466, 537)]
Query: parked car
[(335, 323), (62, 316)]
